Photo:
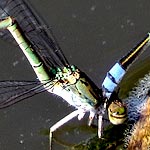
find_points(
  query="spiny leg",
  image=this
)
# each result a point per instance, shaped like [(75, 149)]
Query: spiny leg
[(100, 125), (60, 123), (91, 117), (100, 122), (100, 119)]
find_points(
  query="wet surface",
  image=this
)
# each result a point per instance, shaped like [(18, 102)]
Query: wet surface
[(93, 35)]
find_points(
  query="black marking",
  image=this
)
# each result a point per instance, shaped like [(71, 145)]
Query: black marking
[(38, 65), (84, 82), (111, 78), (118, 117), (106, 90), (128, 59)]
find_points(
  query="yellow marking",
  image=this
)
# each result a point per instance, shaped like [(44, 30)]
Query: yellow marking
[(72, 78), (138, 48)]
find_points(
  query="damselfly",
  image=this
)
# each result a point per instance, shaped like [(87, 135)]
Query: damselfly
[(54, 72)]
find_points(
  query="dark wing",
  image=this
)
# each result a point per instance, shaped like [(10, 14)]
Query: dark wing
[(37, 33), (12, 92)]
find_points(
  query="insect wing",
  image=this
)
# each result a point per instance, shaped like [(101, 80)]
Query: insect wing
[(14, 91), (38, 35)]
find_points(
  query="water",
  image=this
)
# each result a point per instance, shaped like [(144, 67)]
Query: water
[(93, 35)]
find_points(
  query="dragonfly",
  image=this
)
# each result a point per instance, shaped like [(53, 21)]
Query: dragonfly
[(20, 24)]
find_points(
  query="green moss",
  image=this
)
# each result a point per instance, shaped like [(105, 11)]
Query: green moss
[(112, 140)]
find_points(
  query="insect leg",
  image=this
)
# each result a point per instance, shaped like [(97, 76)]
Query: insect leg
[(60, 123)]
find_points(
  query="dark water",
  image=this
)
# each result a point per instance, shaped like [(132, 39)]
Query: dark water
[(93, 35)]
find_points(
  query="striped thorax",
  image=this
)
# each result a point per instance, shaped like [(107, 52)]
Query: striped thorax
[(76, 88)]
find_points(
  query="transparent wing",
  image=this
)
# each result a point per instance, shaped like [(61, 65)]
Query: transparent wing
[(14, 91), (34, 29)]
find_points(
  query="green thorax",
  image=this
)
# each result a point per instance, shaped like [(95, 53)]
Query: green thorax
[(82, 90)]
